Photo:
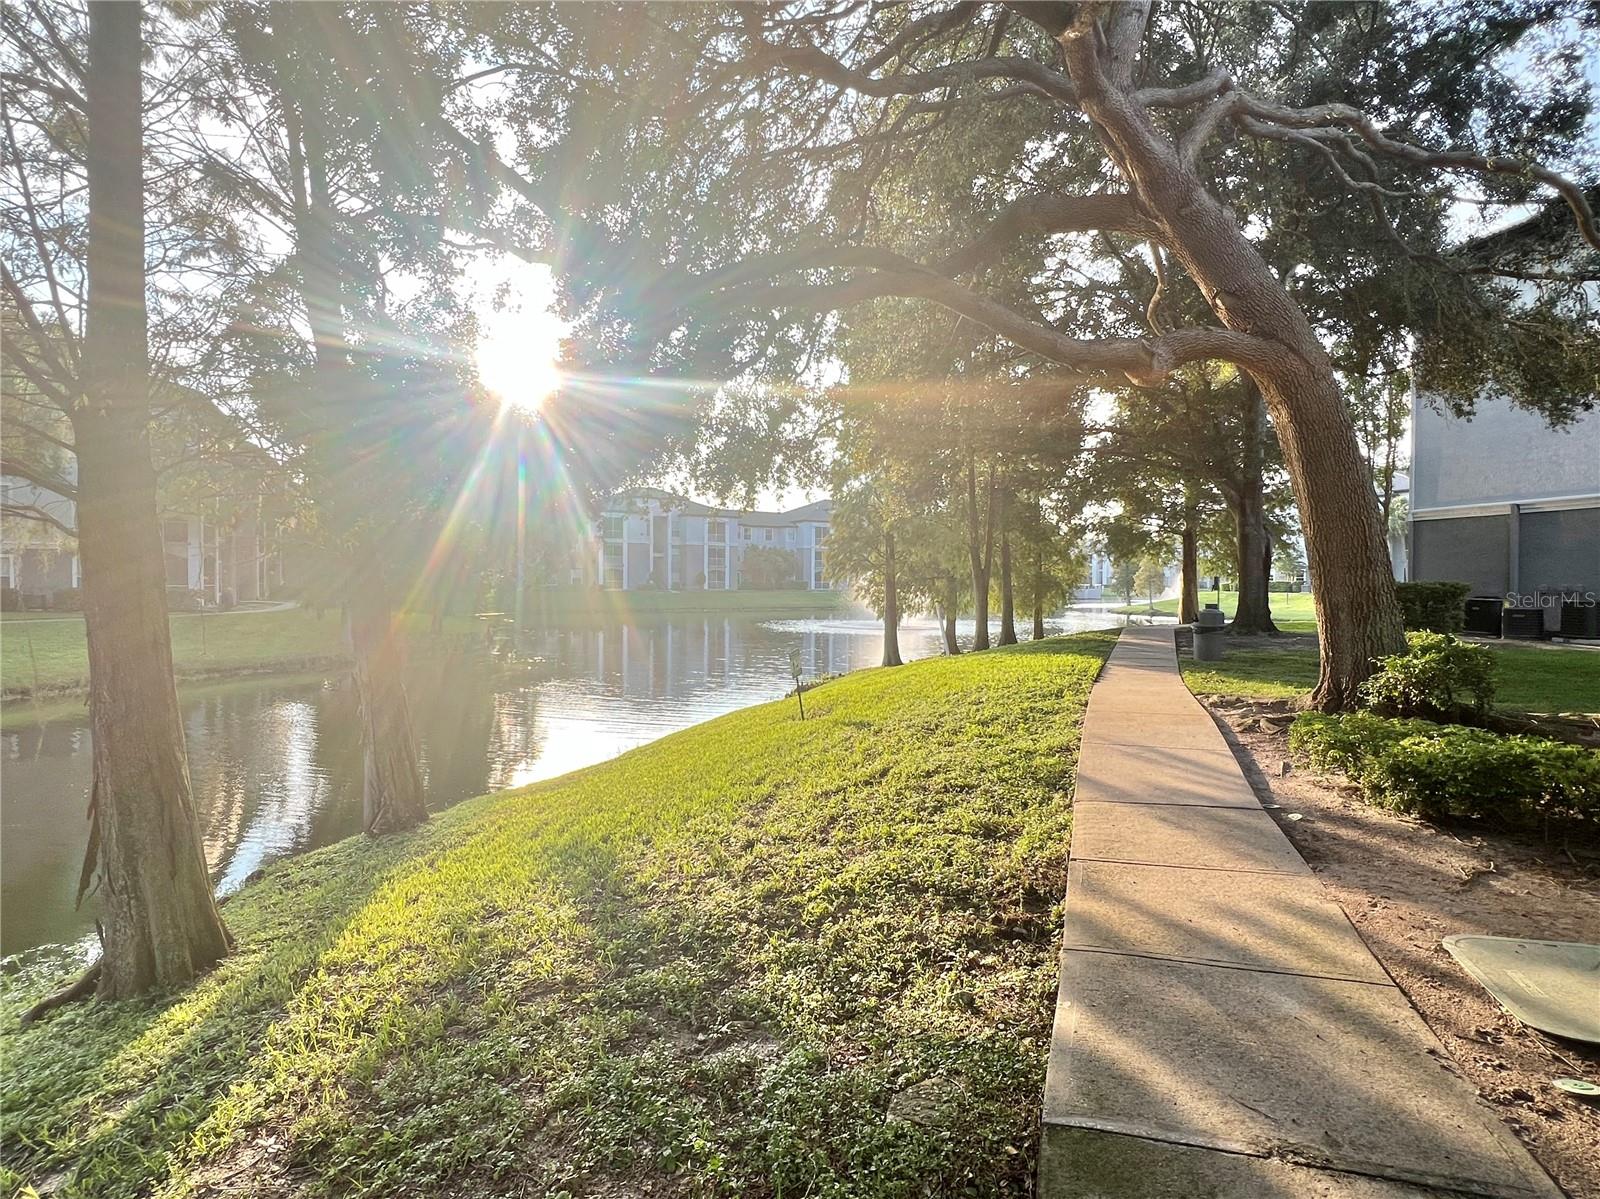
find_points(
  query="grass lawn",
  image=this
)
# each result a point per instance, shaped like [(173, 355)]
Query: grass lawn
[(727, 963), (1531, 680), (1291, 611), (201, 644)]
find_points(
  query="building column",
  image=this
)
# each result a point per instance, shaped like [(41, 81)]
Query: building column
[(1514, 549)]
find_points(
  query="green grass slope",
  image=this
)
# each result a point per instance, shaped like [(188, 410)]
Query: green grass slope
[(758, 958)]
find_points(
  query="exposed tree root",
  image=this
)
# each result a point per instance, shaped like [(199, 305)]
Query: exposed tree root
[(82, 989)]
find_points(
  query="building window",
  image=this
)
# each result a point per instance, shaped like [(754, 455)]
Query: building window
[(766, 535), (611, 527), (175, 531), (8, 571), (819, 535), (716, 530), (613, 565), (816, 570), (747, 533), (717, 567)]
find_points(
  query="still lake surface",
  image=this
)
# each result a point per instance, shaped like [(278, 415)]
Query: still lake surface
[(276, 763)]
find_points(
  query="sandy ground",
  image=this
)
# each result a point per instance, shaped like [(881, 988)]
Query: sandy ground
[(1405, 885)]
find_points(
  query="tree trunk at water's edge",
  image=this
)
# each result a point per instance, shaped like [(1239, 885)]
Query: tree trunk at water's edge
[(160, 923), (392, 795), (891, 606), (391, 780), (951, 602)]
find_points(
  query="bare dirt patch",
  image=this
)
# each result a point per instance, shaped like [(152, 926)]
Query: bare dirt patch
[(1406, 885)]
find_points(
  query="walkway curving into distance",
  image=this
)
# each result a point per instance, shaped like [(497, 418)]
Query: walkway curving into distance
[(1220, 1027)]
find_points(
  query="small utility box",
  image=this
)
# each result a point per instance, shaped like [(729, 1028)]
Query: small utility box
[(1208, 634)]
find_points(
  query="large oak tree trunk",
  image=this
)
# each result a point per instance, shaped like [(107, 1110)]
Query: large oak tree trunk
[(160, 923), (891, 606), (1358, 618)]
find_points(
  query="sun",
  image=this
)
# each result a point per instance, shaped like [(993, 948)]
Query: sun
[(519, 367), (518, 351)]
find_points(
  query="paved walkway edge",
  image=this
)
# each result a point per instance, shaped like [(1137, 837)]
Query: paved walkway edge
[(1220, 1027)]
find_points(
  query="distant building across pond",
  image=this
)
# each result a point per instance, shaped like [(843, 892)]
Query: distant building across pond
[(648, 538)]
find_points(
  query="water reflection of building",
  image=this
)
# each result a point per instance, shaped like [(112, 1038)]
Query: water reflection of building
[(652, 538), (683, 657)]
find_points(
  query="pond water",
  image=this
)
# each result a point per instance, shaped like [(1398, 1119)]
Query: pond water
[(276, 764)]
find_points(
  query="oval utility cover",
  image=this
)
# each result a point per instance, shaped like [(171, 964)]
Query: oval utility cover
[(1550, 985), (1575, 1086)]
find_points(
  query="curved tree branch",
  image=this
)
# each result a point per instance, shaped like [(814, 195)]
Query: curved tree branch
[(1345, 117)]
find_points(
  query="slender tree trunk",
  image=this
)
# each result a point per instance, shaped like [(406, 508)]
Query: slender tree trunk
[(952, 601), (391, 791), (1189, 590), (1038, 593), (160, 923), (980, 555), (1008, 595), (1249, 509), (1358, 618), (891, 606)]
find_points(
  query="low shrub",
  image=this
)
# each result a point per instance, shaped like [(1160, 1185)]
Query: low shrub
[(1475, 773), (1433, 607), (66, 599), (1344, 743), (1439, 770), (1439, 677)]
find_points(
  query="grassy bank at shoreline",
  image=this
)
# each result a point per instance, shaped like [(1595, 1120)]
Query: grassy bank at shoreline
[(53, 656), (758, 957), (48, 654)]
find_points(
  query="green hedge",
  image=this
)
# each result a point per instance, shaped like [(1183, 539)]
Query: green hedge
[(1435, 607), (1438, 770)]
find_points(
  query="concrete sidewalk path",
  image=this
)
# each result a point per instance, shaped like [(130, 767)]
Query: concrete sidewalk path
[(1221, 1029)]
